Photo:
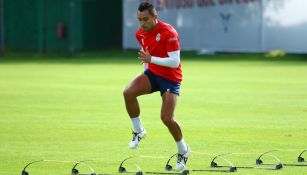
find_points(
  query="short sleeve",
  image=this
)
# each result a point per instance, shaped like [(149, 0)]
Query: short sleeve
[(138, 37), (172, 42)]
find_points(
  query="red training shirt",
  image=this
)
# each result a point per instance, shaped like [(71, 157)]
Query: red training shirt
[(162, 39)]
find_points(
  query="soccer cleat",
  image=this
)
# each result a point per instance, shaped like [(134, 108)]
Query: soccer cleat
[(137, 137), (182, 160)]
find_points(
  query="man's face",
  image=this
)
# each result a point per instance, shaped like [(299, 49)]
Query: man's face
[(147, 21)]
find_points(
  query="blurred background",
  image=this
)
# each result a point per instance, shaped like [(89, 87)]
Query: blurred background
[(204, 25), (60, 25), (65, 64)]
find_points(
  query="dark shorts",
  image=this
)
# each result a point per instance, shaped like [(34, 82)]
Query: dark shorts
[(161, 84)]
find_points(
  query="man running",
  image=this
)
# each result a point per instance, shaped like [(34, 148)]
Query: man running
[(160, 54)]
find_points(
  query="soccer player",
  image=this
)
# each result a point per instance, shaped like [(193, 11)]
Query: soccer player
[(160, 54)]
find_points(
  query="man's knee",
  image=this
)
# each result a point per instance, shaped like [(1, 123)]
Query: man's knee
[(129, 93), (167, 120)]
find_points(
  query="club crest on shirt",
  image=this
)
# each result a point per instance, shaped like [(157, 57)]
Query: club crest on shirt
[(158, 37)]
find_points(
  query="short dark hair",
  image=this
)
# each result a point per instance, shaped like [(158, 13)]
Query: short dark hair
[(147, 6)]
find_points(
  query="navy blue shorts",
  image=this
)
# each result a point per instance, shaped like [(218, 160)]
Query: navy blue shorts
[(161, 84)]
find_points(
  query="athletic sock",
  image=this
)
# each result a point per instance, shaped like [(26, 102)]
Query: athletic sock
[(182, 147), (137, 124)]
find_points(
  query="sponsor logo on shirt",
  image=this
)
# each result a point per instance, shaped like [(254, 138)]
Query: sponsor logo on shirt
[(158, 37), (172, 39)]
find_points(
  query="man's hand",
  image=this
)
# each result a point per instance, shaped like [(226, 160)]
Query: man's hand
[(144, 57)]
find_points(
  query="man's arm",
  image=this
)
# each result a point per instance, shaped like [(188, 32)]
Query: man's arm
[(172, 61)]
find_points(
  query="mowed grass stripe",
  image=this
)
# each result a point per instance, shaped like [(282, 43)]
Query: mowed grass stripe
[(73, 109)]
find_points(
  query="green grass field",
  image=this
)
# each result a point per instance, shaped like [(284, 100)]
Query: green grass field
[(72, 109)]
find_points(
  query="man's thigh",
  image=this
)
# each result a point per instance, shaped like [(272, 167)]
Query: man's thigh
[(169, 101), (139, 85)]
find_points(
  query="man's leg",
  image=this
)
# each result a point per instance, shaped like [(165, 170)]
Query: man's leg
[(169, 101), (139, 86)]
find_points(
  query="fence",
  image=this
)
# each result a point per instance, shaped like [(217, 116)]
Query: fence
[(62, 25)]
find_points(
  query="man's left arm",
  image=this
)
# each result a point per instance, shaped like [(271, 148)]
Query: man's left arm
[(172, 61)]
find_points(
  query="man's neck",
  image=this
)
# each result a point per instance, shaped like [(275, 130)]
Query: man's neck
[(154, 26)]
